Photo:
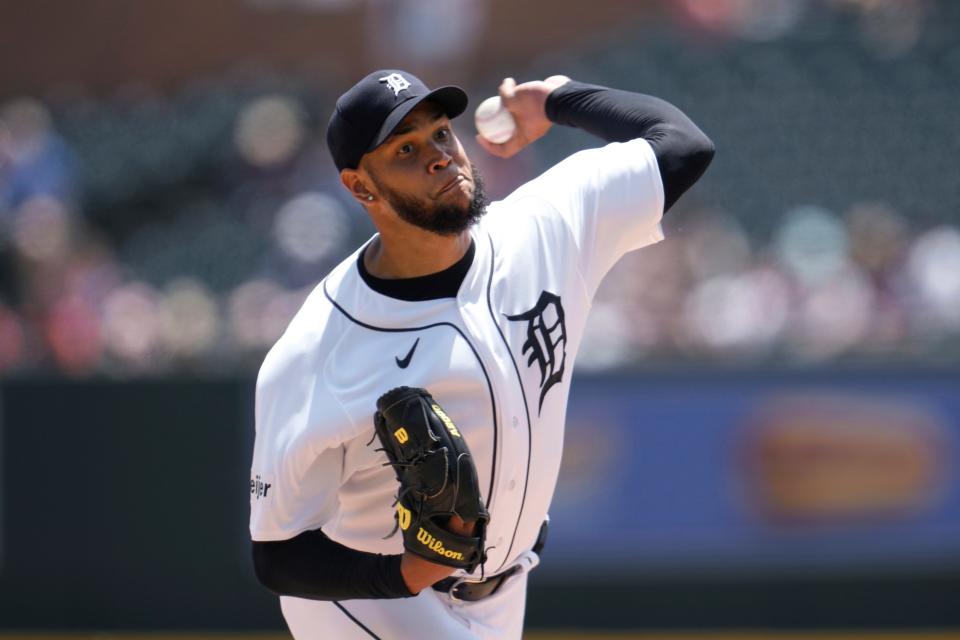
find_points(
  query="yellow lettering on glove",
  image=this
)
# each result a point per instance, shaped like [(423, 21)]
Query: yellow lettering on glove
[(403, 516), (445, 419), (436, 545), (401, 435)]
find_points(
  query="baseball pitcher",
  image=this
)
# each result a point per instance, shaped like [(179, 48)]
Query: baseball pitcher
[(409, 422)]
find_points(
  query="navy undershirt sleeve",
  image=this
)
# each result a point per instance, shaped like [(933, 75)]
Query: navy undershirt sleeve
[(683, 151), (313, 566)]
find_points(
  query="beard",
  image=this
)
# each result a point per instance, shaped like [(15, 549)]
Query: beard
[(441, 219)]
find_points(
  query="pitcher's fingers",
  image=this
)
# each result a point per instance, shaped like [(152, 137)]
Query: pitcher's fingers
[(507, 88)]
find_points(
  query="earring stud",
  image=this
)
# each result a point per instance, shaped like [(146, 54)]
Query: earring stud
[(369, 197)]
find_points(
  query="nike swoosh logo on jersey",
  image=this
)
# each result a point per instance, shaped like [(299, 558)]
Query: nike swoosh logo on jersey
[(403, 364)]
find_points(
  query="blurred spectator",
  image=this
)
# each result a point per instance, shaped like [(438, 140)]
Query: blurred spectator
[(131, 327), (425, 31), (189, 319), (933, 270), (72, 332), (269, 131), (889, 27), (749, 19), (34, 160)]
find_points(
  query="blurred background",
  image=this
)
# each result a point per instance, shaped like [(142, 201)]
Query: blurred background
[(773, 392)]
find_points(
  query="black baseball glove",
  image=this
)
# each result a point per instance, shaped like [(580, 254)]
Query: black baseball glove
[(437, 478)]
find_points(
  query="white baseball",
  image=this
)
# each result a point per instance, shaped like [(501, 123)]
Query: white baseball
[(493, 121)]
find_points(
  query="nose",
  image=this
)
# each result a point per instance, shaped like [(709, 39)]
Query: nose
[(440, 160)]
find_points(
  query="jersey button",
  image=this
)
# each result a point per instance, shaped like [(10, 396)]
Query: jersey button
[(512, 485), (516, 422)]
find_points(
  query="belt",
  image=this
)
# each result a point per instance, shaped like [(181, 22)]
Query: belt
[(460, 589)]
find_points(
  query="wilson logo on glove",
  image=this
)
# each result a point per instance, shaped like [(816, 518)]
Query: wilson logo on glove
[(447, 422), (403, 517), (401, 435), (437, 546)]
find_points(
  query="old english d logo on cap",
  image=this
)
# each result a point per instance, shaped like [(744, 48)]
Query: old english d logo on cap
[(396, 82)]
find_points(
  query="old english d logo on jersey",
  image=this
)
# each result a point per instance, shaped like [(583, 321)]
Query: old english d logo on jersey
[(546, 340), (396, 82)]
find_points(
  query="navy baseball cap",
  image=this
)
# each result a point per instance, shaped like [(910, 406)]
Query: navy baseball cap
[(370, 110)]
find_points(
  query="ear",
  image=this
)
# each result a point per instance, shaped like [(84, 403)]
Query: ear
[(356, 185)]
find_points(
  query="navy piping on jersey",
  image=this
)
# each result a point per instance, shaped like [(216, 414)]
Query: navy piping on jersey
[(357, 622), (493, 402), (526, 408)]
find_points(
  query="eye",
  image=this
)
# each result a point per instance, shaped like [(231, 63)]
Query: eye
[(404, 149), (443, 134)]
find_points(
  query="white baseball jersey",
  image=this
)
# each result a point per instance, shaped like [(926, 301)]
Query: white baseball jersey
[(498, 358)]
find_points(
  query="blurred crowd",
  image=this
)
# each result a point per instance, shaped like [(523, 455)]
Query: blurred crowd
[(860, 287), (143, 234)]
